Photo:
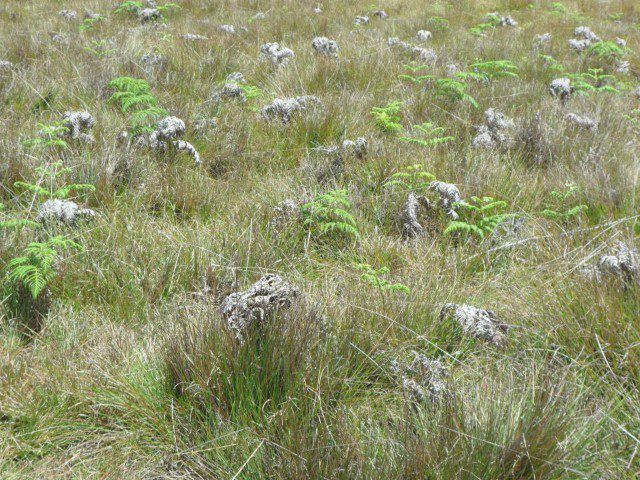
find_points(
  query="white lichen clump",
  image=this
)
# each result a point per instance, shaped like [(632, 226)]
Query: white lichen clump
[(286, 212), (192, 37), (452, 69), (276, 54), (449, 194), (78, 125), (426, 55), (168, 131), (561, 88), (541, 40), (584, 39), (284, 108), (424, 35), (477, 322), (381, 14), (149, 15), (582, 122), (623, 66), (494, 133), (505, 21), (623, 264), (230, 91), (149, 61), (361, 20), (357, 148), (266, 297), (62, 211), (424, 379), (324, 46), (411, 227), (228, 29), (68, 14), (327, 162), (5, 66), (61, 38), (236, 77), (169, 128), (203, 125)]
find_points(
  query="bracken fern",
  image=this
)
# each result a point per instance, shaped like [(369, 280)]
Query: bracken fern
[(413, 178), (479, 217), (431, 135), (328, 214), (35, 268), (387, 118), (490, 70), (50, 175), (135, 94)]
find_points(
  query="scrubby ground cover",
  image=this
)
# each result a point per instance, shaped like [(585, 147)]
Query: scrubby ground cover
[(279, 240)]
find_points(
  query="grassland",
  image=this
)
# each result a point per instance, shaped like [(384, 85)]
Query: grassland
[(123, 365)]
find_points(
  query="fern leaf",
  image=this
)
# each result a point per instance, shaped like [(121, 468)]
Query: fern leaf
[(37, 189)]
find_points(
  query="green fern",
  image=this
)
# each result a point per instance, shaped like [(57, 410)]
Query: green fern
[(135, 94), (416, 79), (49, 136), (328, 214), (551, 63), (606, 50), (100, 48), (593, 81), (50, 175), (375, 278), (479, 217), (453, 90), (491, 21), (130, 7), (168, 6), (561, 211), (251, 91), (412, 178), (89, 23), (486, 71), (432, 135), (15, 223), (438, 23), (559, 7), (387, 118), (35, 268)]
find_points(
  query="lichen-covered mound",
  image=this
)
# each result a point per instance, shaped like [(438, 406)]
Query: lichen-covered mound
[(63, 211), (266, 297), (477, 322), (284, 109), (78, 125), (276, 54), (168, 132), (324, 46)]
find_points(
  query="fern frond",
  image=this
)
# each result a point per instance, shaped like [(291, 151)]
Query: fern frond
[(37, 189), (144, 100), (17, 223)]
